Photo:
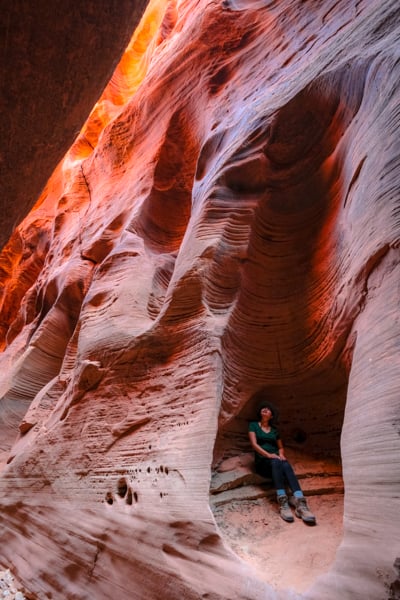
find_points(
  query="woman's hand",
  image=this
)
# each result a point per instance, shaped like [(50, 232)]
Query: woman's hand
[(282, 455)]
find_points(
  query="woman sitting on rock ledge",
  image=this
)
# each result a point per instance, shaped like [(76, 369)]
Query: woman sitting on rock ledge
[(270, 461)]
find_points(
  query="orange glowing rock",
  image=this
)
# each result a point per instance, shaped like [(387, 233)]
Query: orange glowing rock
[(58, 67), (126, 79)]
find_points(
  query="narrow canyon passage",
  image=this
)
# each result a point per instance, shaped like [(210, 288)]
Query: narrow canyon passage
[(224, 228)]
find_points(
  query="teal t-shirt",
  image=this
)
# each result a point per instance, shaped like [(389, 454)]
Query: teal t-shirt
[(267, 441)]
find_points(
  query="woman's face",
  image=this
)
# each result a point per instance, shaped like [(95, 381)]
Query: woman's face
[(266, 413)]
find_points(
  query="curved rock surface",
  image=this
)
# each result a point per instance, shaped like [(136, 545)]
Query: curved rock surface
[(225, 229)]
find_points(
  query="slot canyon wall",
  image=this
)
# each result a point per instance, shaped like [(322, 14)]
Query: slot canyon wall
[(225, 226), (52, 75)]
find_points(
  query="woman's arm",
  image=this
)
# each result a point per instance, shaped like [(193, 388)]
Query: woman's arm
[(281, 450), (257, 448)]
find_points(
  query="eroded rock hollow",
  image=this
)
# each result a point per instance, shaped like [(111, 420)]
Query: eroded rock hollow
[(224, 228)]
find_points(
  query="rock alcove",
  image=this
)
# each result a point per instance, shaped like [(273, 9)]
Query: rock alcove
[(288, 176), (244, 506)]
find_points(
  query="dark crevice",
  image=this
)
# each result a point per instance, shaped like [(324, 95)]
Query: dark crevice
[(354, 179)]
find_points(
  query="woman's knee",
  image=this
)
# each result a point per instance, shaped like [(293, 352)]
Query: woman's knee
[(287, 466), (276, 464)]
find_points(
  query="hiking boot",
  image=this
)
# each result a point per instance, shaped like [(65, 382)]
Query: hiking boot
[(302, 511), (284, 509)]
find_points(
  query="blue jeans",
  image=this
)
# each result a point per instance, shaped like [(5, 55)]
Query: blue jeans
[(281, 472)]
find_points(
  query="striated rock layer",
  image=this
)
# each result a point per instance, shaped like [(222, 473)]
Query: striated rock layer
[(227, 229)]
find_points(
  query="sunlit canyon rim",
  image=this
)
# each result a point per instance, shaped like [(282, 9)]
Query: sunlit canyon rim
[(224, 226)]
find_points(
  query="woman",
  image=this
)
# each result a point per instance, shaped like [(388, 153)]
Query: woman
[(270, 461)]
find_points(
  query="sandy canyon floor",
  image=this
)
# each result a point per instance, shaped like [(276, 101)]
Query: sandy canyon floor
[(286, 555)]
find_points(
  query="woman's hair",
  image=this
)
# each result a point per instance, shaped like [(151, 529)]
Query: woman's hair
[(273, 409)]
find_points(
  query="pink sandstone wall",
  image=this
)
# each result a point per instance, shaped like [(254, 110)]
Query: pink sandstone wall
[(226, 224)]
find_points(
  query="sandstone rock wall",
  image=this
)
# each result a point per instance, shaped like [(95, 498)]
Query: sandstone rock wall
[(232, 231)]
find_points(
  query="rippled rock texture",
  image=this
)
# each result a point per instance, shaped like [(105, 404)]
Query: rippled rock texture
[(226, 229)]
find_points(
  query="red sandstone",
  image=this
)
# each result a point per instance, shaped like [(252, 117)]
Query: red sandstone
[(226, 225)]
